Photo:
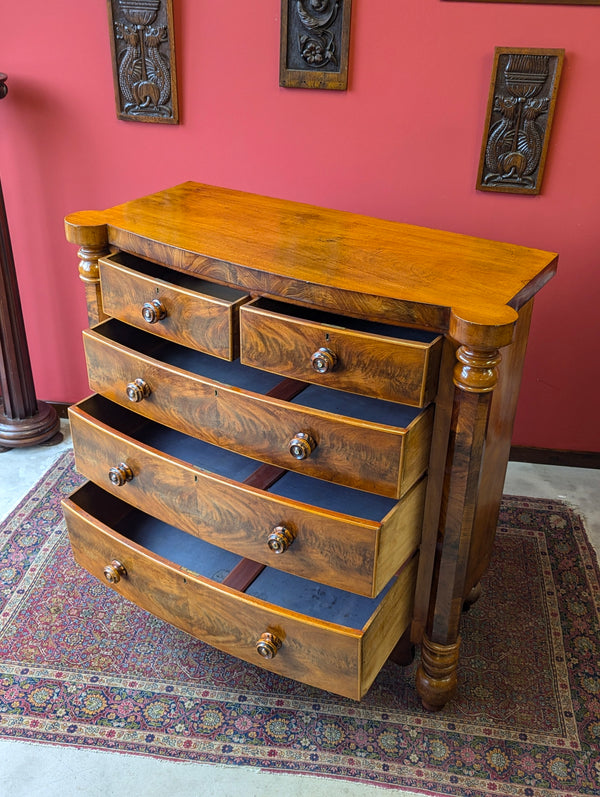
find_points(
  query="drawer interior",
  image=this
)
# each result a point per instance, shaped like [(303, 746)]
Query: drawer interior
[(186, 281), (353, 405), (233, 373), (199, 557), (230, 373), (343, 322), (222, 462)]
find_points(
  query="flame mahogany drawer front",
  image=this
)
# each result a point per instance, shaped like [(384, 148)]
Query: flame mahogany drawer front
[(172, 305), (382, 448), (300, 426), (340, 646), (318, 530), (378, 360)]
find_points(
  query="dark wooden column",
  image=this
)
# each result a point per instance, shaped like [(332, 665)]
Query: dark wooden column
[(475, 378), (24, 421)]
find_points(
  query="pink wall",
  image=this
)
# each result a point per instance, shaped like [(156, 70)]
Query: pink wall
[(402, 143)]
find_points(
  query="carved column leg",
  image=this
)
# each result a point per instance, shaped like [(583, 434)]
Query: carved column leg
[(93, 244), (475, 376)]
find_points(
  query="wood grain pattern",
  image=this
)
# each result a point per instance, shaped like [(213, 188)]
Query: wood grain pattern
[(447, 464), (355, 453), (368, 364), (341, 550), (201, 321), (326, 655), (353, 255)]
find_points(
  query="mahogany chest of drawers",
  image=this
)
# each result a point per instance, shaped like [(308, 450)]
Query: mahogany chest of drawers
[(300, 425)]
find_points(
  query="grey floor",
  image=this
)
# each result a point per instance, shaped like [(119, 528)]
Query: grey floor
[(32, 770)]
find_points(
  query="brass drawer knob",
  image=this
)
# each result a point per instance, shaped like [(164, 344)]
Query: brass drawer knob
[(138, 390), (301, 445), (280, 539), (114, 572), (323, 361), (154, 311), (267, 646), (120, 474)]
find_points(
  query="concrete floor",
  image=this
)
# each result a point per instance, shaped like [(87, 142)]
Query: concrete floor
[(36, 770)]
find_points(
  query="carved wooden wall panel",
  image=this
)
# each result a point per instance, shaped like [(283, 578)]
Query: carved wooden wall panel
[(315, 38), (519, 117), (143, 54)]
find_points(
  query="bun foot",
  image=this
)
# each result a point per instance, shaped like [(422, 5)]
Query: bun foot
[(472, 597)]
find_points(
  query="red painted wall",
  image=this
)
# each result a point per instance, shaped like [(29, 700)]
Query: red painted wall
[(402, 143)]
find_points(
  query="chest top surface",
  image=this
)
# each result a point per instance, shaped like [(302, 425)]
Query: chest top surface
[(473, 281)]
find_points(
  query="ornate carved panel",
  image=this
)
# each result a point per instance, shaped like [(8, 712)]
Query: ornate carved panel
[(143, 54), (315, 38), (519, 117)]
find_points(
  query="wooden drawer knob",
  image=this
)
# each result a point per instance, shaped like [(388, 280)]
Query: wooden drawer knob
[(138, 390), (154, 311), (267, 646), (120, 474), (323, 361), (301, 445), (280, 539), (114, 572)]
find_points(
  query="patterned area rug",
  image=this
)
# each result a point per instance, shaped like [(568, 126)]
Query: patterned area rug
[(81, 667)]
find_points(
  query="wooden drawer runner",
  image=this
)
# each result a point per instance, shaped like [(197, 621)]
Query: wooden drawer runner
[(172, 305), (374, 445), (340, 647), (380, 360), (339, 536)]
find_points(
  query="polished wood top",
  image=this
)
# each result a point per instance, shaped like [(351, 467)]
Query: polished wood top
[(478, 280)]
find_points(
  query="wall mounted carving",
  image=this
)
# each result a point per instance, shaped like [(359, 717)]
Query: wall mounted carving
[(143, 54), (519, 117), (315, 38)]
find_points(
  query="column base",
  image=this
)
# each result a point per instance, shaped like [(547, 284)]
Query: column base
[(41, 428)]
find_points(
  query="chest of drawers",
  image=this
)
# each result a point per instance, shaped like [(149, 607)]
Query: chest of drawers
[(301, 419)]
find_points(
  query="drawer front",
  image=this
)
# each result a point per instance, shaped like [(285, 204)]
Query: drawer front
[(187, 310), (375, 457), (313, 650), (189, 485), (355, 360)]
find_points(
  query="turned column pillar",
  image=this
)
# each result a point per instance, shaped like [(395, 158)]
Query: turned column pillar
[(92, 238), (24, 421), (475, 377)]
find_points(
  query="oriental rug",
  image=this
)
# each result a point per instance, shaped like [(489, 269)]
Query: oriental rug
[(81, 667)]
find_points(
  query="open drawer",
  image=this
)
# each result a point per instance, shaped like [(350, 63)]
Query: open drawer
[(374, 359), (318, 530), (318, 635), (171, 304), (357, 441)]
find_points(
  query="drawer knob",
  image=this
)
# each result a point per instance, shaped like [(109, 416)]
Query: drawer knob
[(280, 539), (323, 361), (114, 572), (120, 474), (154, 311), (138, 390), (301, 445), (268, 645)]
